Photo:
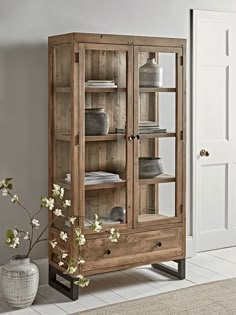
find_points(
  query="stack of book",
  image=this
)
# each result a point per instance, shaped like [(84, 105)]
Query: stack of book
[(99, 177), (101, 84), (147, 126)]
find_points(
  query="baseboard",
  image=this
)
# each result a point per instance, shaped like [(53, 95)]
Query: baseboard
[(43, 271), (190, 247)]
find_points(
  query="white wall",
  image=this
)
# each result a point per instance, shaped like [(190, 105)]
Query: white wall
[(24, 28)]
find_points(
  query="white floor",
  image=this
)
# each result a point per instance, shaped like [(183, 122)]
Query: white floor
[(131, 284)]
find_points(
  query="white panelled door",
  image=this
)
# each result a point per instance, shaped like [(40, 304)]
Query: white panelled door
[(214, 130)]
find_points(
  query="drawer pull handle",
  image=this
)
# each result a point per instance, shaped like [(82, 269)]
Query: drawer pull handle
[(158, 244), (108, 252)]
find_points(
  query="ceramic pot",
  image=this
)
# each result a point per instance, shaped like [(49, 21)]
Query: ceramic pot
[(20, 280), (96, 122), (118, 214), (150, 74), (150, 167)]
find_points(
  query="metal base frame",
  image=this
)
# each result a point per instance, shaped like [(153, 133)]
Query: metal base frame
[(71, 292), (179, 273)]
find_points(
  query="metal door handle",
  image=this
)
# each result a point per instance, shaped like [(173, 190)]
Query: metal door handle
[(131, 138), (204, 152)]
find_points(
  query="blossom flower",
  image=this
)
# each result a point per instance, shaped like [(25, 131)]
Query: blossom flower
[(70, 270), (96, 225), (114, 235), (14, 199), (14, 238), (80, 239), (26, 236), (35, 223), (63, 236), (61, 263), (66, 203), (58, 212), (56, 190), (61, 193), (47, 203), (4, 192), (82, 282), (81, 261), (53, 243), (64, 255), (72, 220)]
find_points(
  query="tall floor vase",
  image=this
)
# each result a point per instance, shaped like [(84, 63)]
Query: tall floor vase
[(20, 280)]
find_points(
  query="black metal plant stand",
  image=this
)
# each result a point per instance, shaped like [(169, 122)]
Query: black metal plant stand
[(71, 292), (179, 273)]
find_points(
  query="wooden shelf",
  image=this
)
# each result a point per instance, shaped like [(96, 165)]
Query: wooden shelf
[(108, 137), (164, 178), (104, 90), (153, 89), (67, 185), (151, 217), (158, 135), (62, 89)]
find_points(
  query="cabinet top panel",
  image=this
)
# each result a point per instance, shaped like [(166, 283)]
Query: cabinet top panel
[(115, 39)]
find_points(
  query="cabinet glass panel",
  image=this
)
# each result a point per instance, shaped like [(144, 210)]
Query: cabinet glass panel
[(155, 126), (105, 136), (62, 125)]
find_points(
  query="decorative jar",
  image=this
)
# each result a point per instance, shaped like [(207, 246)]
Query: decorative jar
[(150, 74)]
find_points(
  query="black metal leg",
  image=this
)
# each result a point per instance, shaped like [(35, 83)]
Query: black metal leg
[(71, 292), (179, 273)]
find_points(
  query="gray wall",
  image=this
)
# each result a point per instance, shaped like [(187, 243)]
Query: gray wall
[(24, 28)]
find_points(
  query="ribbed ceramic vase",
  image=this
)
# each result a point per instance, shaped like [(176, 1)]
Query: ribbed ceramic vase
[(20, 280), (150, 74)]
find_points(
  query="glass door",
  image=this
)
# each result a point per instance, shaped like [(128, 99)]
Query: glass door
[(158, 135), (105, 160)]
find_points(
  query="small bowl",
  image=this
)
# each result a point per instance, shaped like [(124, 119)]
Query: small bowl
[(150, 167), (118, 214)]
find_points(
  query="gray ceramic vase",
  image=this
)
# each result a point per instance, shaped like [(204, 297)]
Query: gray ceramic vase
[(150, 74), (96, 122), (150, 167), (20, 281)]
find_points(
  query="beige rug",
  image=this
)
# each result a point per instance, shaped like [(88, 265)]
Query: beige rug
[(212, 298)]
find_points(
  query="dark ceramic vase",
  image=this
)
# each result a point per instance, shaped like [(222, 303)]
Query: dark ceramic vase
[(96, 122), (150, 167)]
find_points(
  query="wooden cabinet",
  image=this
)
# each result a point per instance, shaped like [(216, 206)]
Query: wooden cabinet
[(100, 172)]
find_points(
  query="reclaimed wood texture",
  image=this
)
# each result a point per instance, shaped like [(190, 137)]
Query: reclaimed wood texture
[(131, 248), (110, 57)]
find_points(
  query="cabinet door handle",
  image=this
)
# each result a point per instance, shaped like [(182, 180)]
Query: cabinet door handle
[(108, 252), (131, 137), (158, 244), (137, 137)]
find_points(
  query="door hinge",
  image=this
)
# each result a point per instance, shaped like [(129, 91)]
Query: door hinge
[(181, 208), (76, 57), (181, 60), (181, 135)]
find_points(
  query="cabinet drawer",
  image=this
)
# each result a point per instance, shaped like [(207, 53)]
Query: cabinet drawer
[(132, 248)]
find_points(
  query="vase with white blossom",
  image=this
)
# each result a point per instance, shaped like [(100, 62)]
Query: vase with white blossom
[(20, 276)]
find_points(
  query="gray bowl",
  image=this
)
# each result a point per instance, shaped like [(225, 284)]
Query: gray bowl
[(150, 167)]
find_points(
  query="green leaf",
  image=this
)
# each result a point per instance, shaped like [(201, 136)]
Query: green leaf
[(10, 234)]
